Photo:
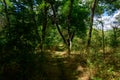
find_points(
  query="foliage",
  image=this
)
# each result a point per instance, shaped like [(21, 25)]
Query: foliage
[(28, 25)]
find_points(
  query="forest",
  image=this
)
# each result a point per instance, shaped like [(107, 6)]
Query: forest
[(59, 40)]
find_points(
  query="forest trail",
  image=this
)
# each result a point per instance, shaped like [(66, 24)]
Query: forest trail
[(75, 64), (85, 74)]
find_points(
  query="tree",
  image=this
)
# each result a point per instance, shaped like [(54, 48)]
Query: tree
[(103, 36), (68, 20), (91, 23), (45, 21), (20, 40), (96, 10), (115, 30)]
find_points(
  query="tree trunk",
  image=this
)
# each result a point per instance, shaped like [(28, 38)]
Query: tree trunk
[(91, 25), (44, 27), (115, 36), (56, 23), (69, 41), (33, 20), (103, 39)]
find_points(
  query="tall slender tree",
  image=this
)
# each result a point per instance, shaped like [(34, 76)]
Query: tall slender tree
[(91, 24), (44, 26)]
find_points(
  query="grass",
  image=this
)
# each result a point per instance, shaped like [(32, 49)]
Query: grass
[(57, 65), (96, 66)]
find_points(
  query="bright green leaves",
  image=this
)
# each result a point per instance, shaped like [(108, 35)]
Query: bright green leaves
[(65, 8), (1, 7), (8, 3), (116, 4), (79, 14), (43, 4)]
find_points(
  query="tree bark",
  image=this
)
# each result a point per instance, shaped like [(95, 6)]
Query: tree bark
[(34, 21), (91, 25), (56, 23), (103, 39), (44, 27), (69, 41), (115, 36)]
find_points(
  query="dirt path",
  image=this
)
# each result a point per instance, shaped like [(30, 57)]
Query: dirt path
[(77, 67), (82, 72)]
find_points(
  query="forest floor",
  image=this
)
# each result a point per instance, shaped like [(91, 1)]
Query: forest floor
[(64, 67), (78, 67)]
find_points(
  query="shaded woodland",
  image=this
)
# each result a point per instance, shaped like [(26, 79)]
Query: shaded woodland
[(59, 40)]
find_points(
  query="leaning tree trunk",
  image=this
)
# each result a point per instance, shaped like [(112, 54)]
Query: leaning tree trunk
[(91, 25), (56, 23), (70, 36)]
